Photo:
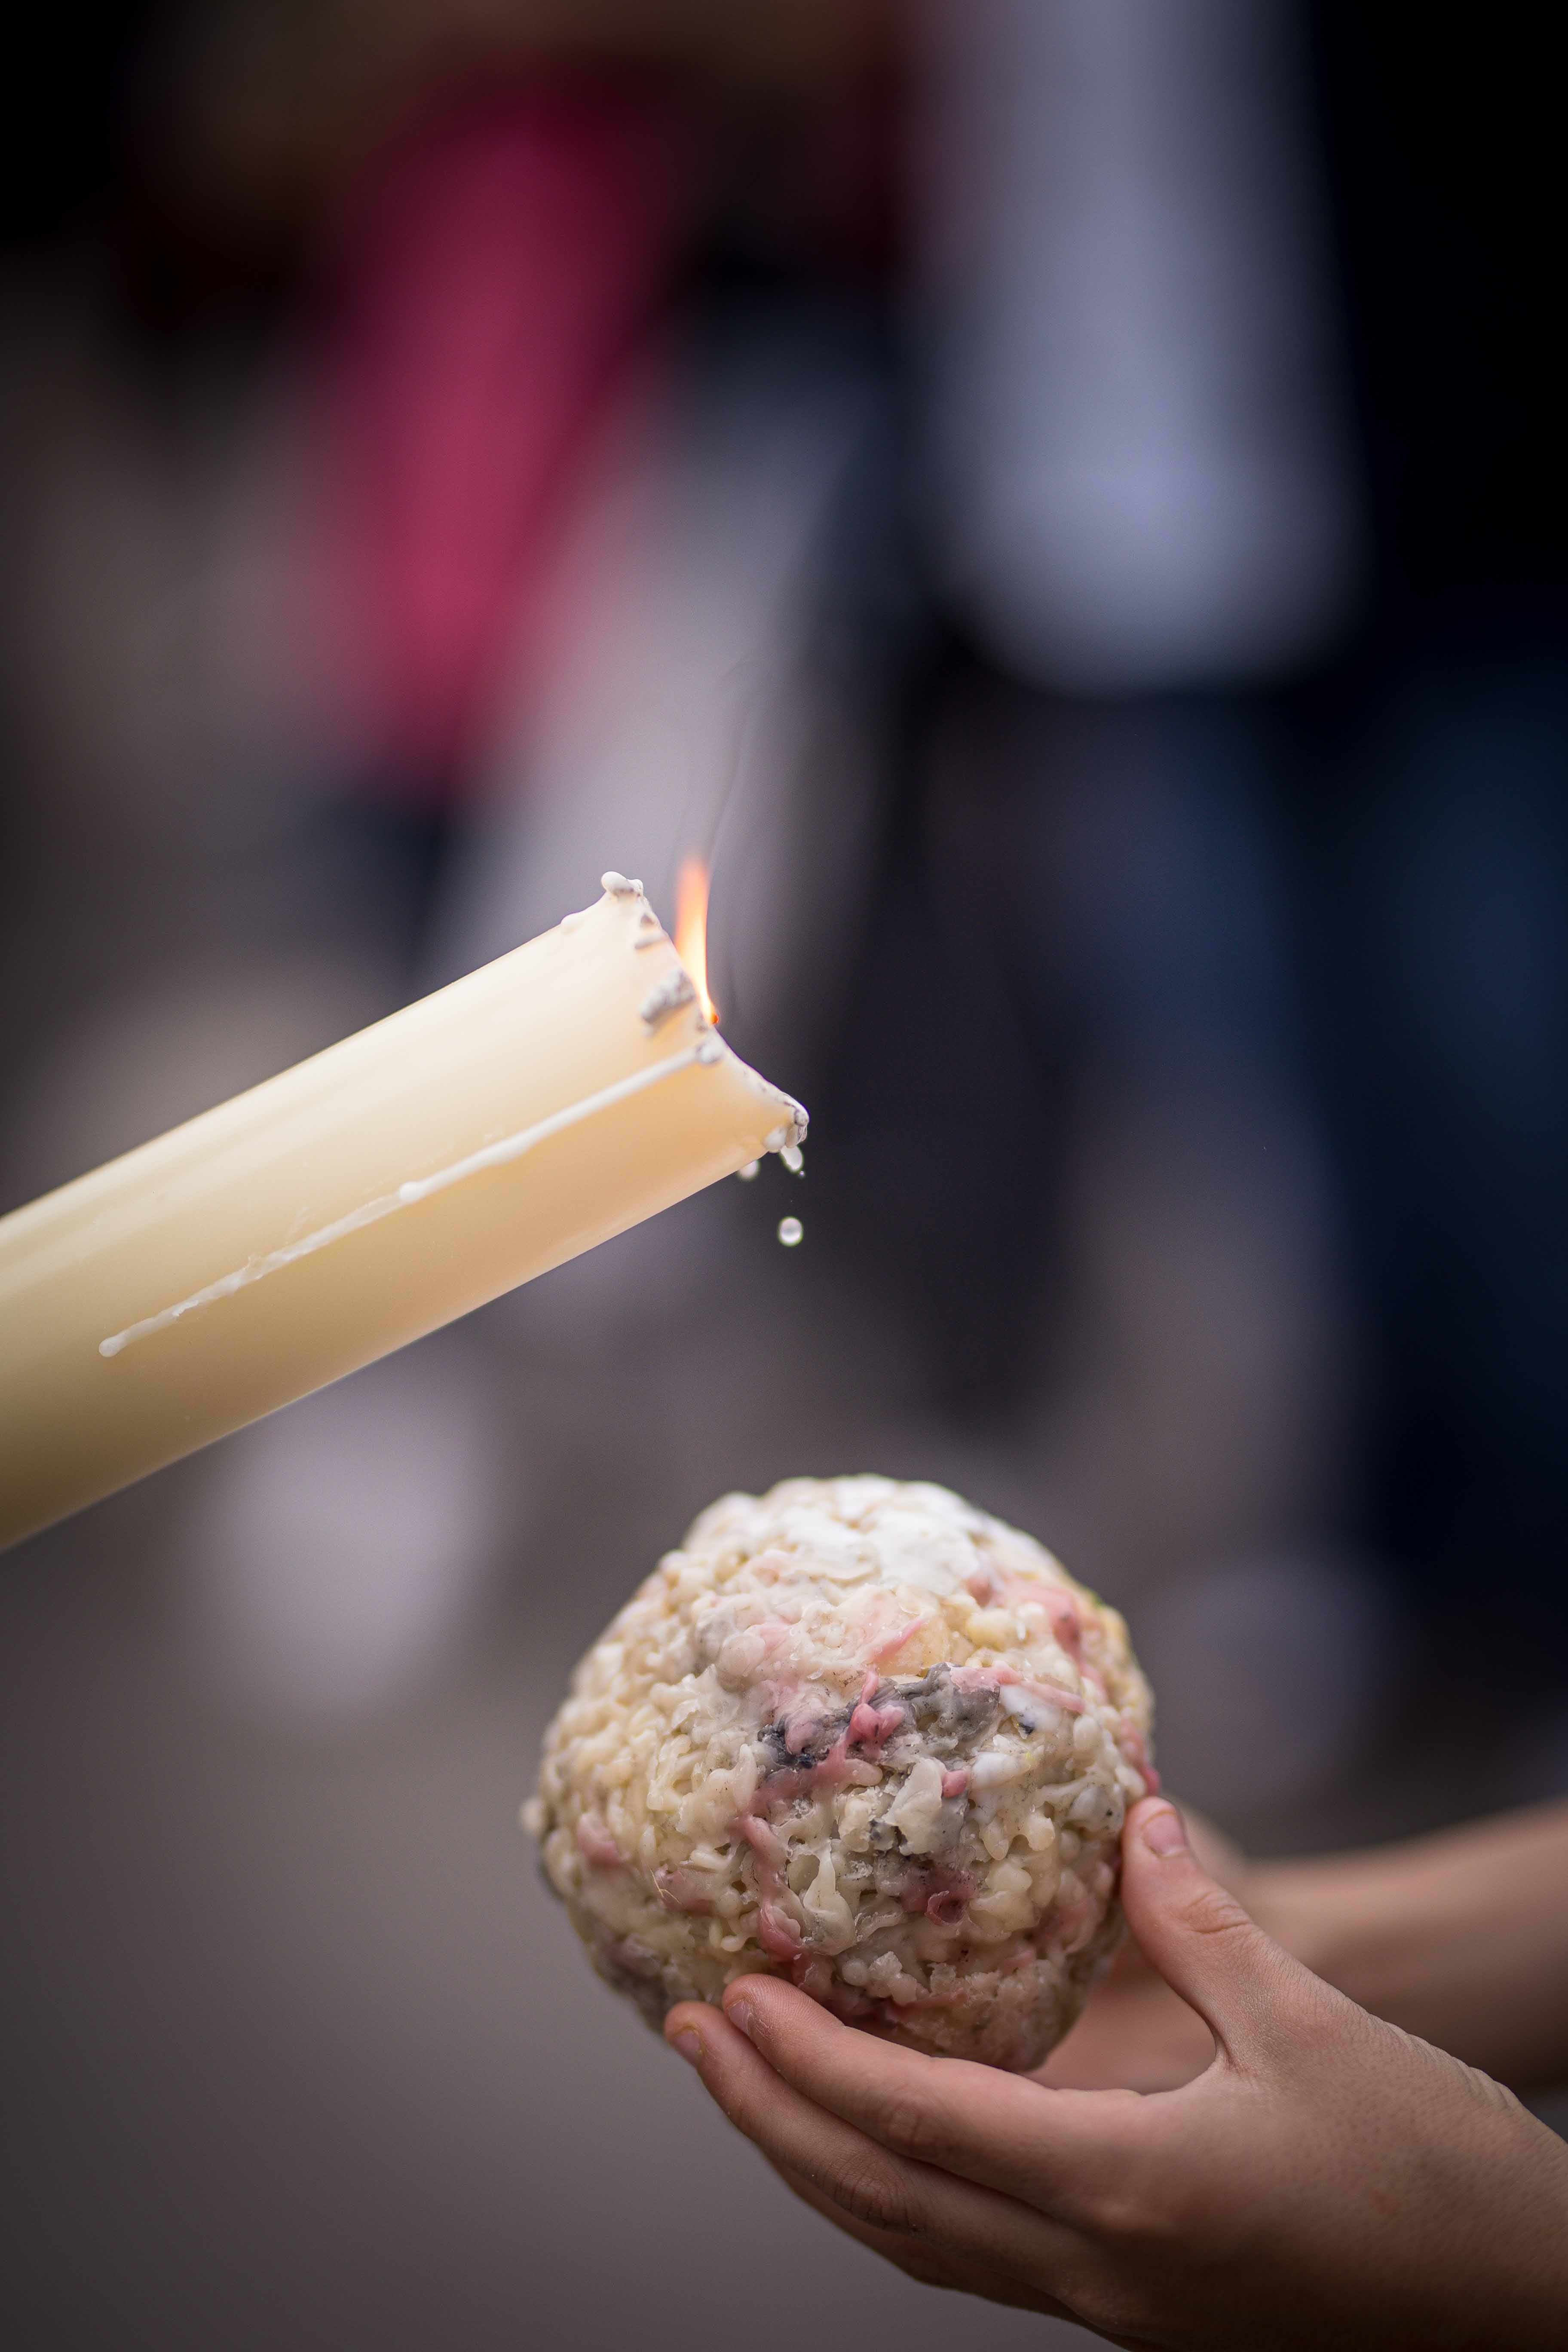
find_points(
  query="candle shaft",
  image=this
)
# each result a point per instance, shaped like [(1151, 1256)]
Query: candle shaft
[(375, 1191)]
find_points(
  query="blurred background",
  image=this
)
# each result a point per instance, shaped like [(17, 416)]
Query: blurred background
[(1063, 501)]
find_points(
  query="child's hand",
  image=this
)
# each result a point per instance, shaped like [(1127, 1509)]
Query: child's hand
[(1326, 2181)]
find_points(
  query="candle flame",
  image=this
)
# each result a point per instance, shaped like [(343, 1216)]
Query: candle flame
[(691, 926)]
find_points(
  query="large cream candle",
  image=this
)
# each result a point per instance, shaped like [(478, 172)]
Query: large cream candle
[(460, 1148)]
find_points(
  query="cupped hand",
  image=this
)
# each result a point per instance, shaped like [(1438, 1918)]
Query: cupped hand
[(1326, 2180)]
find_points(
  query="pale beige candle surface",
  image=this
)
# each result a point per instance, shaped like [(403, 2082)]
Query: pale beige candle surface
[(462, 1146)]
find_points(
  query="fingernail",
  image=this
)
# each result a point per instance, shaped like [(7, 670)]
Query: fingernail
[(739, 2012), (690, 2045), (1165, 1832)]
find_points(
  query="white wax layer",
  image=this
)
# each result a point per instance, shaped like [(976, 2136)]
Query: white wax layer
[(460, 1148)]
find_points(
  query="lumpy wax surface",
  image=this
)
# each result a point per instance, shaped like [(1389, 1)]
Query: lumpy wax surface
[(858, 1734)]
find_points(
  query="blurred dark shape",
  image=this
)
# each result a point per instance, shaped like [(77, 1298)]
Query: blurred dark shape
[(1447, 206), (936, 1153), (1427, 825), (59, 151), (1085, 928), (1435, 875)]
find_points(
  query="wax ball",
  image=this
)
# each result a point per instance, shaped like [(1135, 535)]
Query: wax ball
[(857, 1734)]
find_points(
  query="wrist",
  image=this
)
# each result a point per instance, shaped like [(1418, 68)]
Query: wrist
[(1458, 1938)]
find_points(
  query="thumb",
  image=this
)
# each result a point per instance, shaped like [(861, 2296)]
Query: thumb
[(1244, 1985)]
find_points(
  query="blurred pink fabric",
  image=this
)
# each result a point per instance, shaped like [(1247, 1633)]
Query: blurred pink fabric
[(494, 273)]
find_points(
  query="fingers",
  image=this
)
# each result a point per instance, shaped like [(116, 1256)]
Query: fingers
[(999, 2131), (922, 2260), (918, 2258), (1246, 1988), (892, 2195)]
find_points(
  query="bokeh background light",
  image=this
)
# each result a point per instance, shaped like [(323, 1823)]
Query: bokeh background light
[(1061, 503)]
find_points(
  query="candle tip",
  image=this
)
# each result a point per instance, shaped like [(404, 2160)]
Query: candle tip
[(618, 887)]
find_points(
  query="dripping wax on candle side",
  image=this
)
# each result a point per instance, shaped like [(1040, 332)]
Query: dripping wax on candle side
[(349, 1205), (493, 1155)]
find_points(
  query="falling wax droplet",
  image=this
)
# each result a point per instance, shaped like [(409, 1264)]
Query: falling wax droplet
[(749, 1171), (794, 1159), (790, 1231)]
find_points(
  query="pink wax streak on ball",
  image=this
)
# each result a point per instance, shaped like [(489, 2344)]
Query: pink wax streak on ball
[(860, 1735)]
